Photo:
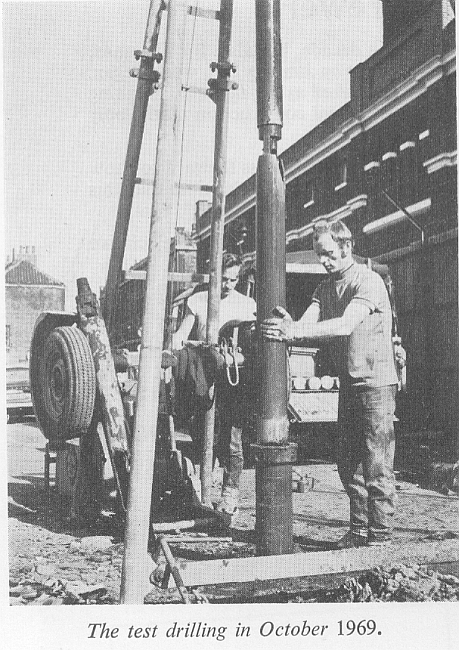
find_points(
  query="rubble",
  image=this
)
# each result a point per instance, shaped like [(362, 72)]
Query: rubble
[(96, 543), (57, 592), (58, 569), (46, 569), (91, 575), (54, 561), (399, 584)]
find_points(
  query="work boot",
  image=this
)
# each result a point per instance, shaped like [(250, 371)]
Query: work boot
[(351, 540), (379, 541), (229, 502)]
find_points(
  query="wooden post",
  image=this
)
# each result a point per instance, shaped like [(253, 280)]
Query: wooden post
[(110, 405), (146, 78), (134, 578), (88, 489)]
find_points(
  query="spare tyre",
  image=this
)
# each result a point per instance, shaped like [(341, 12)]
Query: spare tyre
[(67, 389)]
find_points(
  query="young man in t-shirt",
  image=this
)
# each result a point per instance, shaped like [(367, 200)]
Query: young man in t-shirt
[(233, 305), (351, 317), (231, 408)]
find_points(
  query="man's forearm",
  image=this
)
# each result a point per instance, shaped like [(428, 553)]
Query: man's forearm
[(304, 331)]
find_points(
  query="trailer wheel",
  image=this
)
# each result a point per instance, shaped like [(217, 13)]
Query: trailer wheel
[(68, 384)]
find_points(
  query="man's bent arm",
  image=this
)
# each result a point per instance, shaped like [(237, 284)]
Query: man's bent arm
[(183, 332), (311, 315), (353, 315)]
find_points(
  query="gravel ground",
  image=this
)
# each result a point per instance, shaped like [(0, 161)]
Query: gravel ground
[(51, 562)]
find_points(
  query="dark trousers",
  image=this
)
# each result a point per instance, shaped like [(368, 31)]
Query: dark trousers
[(230, 420), (228, 448), (366, 445)]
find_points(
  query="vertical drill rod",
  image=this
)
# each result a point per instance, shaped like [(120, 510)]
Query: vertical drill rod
[(274, 455)]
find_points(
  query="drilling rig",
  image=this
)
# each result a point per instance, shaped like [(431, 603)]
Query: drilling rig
[(75, 371)]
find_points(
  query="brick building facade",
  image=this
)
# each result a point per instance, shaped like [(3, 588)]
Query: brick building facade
[(397, 133)]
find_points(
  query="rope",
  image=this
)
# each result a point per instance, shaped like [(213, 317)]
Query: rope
[(230, 352), (184, 116), (185, 112)]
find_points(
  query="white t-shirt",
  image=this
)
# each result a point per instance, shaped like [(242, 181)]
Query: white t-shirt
[(234, 306)]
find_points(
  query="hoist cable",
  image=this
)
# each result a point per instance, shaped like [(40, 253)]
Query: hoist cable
[(182, 141)]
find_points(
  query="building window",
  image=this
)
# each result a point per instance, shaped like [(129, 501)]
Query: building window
[(8, 337), (448, 12), (341, 175), (308, 194)]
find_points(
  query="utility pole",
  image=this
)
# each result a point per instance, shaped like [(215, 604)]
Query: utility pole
[(274, 455), (134, 578), (147, 76), (219, 92)]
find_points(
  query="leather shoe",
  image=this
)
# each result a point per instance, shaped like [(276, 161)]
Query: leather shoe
[(351, 540)]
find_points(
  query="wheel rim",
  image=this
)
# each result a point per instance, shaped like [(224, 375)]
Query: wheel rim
[(57, 384), (57, 381)]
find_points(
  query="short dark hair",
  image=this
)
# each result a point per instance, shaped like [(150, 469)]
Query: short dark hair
[(338, 230), (229, 260)]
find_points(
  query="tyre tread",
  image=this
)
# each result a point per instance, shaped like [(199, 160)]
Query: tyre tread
[(77, 412)]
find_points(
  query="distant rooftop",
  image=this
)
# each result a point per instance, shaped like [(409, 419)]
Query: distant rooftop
[(24, 272)]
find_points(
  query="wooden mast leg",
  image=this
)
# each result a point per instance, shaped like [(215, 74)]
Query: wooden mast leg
[(134, 578), (109, 403), (88, 490)]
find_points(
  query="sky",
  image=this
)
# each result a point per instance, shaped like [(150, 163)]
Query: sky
[(68, 101)]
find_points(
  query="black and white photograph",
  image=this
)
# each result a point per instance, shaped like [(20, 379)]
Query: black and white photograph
[(231, 309)]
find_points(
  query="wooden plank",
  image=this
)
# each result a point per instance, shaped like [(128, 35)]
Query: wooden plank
[(276, 591), (201, 12), (174, 276), (183, 186), (297, 565), (281, 591), (144, 181), (189, 524), (195, 539), (196, 186), (196, 90)]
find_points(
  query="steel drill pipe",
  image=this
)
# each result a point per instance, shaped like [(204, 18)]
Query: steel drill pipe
[(274, 456), (272, 420), (274, 511), (269, 69), (273, 486)]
